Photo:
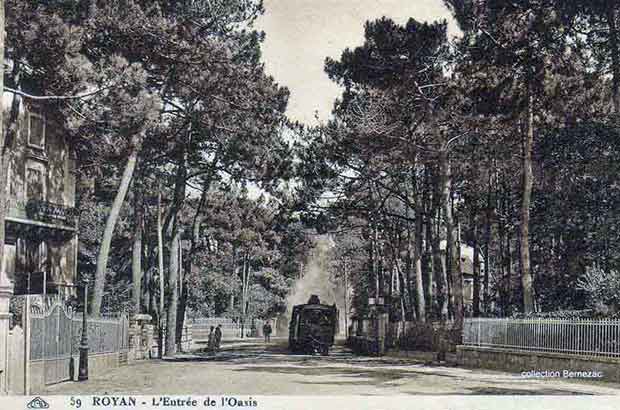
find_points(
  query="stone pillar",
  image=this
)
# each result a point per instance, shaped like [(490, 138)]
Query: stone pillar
[(6, 291), (186, 338), (380, 320), (140, 337), (134, 340)]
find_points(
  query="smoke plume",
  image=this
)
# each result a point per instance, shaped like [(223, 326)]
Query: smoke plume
[(316, 278)]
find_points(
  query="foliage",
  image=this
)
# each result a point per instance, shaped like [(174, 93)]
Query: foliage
[(603, 290), (425, 147)]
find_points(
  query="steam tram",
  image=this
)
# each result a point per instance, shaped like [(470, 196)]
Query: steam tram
[(312, 327)]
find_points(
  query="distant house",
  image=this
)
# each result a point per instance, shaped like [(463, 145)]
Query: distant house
[(467, 268), (41, 224)]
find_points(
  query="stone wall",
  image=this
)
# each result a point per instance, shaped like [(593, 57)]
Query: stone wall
[(519, 361)]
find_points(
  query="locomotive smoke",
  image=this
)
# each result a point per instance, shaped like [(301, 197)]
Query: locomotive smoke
[(316, 279)]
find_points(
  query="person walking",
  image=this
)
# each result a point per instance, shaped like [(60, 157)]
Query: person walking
[(267, 332), (211, 342), (218, 337)]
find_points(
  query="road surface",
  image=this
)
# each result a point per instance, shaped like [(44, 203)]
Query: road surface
[(251, 368)]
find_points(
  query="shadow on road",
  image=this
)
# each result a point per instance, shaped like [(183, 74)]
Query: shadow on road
[(507, 391), (343, 368)]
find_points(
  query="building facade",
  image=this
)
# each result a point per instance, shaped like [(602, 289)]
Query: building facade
[(41, 224)]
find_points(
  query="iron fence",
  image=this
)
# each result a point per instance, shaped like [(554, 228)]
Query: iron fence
[(578, 337), (58, 331), (230, 328), (105, 335)]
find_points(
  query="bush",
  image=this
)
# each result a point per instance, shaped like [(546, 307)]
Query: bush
[(430, 337), (603, 290)]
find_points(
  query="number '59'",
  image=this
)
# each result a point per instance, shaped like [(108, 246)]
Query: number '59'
[(77, 403)]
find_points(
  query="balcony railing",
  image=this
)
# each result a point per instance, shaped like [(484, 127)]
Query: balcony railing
[(44, 211)]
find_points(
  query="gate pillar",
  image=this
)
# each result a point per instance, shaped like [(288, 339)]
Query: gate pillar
[(6, 291), (380, 320)]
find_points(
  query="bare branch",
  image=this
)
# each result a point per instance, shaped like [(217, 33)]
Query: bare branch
[(55, 97)]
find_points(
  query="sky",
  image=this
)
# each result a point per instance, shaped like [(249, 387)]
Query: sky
[(301, 33)]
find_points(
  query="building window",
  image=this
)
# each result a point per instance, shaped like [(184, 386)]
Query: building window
[(36, 131), (32, 274), (35, 182)]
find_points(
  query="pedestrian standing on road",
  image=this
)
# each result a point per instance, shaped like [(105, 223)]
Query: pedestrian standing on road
[(211, 343), (218, 337), (267, 332)]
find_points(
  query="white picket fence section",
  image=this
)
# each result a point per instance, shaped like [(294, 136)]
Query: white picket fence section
[(578, 337)]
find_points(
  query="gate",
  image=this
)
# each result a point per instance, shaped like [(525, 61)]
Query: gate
[(51, 342), (45, 337)]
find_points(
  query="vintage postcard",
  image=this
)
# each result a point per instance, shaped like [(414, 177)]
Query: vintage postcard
[(299, 204)]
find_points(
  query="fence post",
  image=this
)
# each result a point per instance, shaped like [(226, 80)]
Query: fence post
[(6, 291)]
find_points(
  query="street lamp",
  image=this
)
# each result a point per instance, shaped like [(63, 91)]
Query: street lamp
[(83, 369)]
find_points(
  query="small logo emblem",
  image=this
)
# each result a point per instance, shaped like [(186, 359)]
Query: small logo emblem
[(38, 403)]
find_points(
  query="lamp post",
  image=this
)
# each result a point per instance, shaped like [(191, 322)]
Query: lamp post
[(83, 370)]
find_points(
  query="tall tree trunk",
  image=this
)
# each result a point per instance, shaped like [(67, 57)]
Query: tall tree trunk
[(235, 273), (528, 177), (346, 298), (476, 262), (440, 263), (188, 268), (509, 290), (427, 260), (487, 242), (375, 260), (409, 270), (380, 265), (612, 16), (188, 265), (501, 231), (430, 269), (160, 268), (182, 308), (457, 280), (150, 256), (104, 249), (136, 254), (173, 298), (417, 256), (244, 273)]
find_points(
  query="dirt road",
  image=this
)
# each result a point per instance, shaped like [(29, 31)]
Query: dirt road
[(251, 368)]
